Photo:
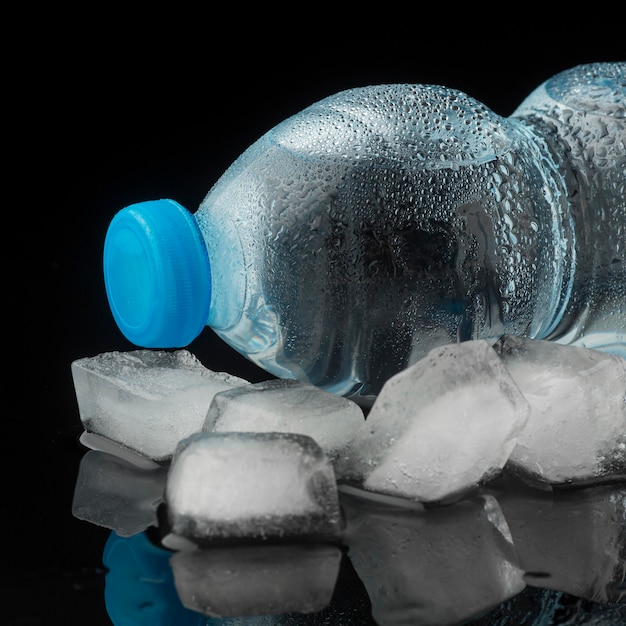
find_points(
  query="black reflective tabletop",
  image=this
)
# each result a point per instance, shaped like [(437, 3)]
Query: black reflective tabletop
[(507, 551)]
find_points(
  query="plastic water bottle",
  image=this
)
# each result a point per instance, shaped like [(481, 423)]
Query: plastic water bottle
[(384, 221)]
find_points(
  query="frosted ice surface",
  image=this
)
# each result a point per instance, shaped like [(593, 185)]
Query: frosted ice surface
[(256, 580), (146, 400), (114, 493), (439, 427), (233, 486), (287, 406), (577, 425)]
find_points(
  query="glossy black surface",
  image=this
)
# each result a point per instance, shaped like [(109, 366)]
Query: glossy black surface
[(478, 560), (107, 112)]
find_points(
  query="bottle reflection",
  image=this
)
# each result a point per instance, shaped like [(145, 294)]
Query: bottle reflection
[(139, 585), (472, 562)]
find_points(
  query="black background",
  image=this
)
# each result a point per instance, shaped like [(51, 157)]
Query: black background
[(105, 111)]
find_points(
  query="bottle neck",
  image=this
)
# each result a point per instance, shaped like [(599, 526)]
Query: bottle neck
[(547, 165), (586, 146)]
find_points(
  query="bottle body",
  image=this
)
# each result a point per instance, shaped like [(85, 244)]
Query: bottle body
[(378, 224), (581, 116), (383, 221)]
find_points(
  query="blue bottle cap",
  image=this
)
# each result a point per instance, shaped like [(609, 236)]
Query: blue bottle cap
[(157, 274)]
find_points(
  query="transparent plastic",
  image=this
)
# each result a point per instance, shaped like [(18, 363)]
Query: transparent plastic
[(383, 221)]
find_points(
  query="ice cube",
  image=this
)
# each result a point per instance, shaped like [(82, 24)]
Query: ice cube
[(237, 581), (439, 427), (442, 565), (146, 400), (287, 406), (577, 426), (241, 486), (572, 541), (116, 494)]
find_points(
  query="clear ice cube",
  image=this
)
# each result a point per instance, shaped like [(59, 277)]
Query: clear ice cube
[(576, 431), (146, 400), (439, 427), (287, 406), (242, 486)]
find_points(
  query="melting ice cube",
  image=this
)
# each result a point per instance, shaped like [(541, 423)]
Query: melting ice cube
[(577, 425), (286, 406), (146, 400), (234, 486), (441, 426)]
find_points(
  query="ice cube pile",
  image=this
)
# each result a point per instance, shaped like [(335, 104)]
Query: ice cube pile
[(552, 413), (451, 421), (222, 466), (439, 427)]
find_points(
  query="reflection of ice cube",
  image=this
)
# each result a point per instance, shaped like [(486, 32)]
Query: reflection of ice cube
[(577, 425), (257, 580), (116, 494), (573, 541), (233, 486), (439, 427), (442, 565), (286, 406), (97, 442), (147, 400)]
